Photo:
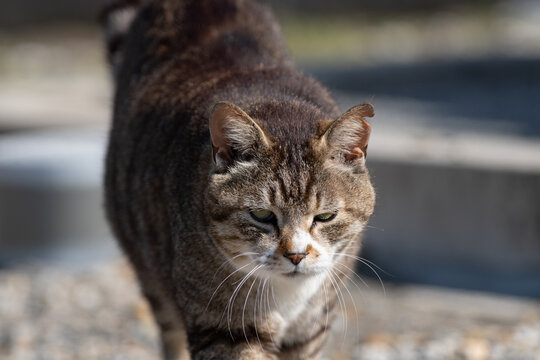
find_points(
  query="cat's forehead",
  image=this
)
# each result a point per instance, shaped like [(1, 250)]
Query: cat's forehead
[(289, 123), (296, 182)]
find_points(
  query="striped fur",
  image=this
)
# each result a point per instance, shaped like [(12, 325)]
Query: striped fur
[(184, 174)]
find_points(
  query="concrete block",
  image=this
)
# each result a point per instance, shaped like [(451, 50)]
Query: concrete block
[(50, 194)]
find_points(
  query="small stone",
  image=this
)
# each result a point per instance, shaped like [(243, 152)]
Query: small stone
[(527, 335), (476, 349)]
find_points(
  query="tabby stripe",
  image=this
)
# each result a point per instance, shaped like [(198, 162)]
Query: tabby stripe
[(309, 190), (298, 345), (329, 307), (282, 187), (272, 195), (204, 338), (316, 350), (201, 339)]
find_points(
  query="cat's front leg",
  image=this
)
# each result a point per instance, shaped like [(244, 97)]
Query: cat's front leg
[(224, 349), (311, 351), (173, 334), (308, 350)]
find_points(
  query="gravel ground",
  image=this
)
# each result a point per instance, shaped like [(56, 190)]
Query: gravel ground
[(58, 312)]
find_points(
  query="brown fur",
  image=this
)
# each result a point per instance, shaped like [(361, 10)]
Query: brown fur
[(211, 122)]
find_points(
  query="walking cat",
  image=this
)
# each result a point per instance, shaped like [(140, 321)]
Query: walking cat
[(233, 183)]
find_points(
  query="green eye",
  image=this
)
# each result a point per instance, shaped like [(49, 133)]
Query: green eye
[(262, 215), (324, 217)]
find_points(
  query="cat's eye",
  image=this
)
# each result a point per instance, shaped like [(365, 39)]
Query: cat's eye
[(324, 217), (264, 216)]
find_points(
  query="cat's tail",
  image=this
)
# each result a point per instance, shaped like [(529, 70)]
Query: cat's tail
[(116, 17)]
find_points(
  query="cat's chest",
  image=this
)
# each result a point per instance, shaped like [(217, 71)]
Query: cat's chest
[(294, 297)]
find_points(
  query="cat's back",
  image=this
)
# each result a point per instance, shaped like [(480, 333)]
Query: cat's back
[(182, 56), (183, 46), (178, 59)]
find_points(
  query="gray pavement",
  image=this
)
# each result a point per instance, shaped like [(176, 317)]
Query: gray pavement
[(58, 312)]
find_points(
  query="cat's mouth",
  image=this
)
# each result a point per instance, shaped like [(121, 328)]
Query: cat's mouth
[(294, 273)]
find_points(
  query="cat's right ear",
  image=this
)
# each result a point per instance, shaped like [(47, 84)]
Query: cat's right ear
[(234, 134), (346, 138)]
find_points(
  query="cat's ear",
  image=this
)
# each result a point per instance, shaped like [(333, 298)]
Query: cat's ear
[(234, 134), (346, 138)]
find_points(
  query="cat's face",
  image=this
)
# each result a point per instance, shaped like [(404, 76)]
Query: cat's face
[(288, 211)]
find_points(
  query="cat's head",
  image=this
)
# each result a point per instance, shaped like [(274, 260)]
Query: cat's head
[(289, 207)]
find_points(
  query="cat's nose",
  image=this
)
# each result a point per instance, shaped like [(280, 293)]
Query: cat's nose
[(295, 257)]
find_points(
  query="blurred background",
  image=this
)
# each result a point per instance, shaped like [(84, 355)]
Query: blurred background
[(454, 156)]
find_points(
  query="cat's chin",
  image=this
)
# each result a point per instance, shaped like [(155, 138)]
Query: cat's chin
[(297, 274)]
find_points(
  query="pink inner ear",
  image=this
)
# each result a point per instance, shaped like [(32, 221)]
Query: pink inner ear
[(220, 143), (233, 132), (349, 134), (359, 150), (356, 153), (216, 126)]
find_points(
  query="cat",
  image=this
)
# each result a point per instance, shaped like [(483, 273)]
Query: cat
[(234, 185)]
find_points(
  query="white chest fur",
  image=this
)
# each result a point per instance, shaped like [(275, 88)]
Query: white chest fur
[(292, 295)]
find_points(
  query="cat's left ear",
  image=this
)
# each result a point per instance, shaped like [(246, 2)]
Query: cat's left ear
[(234, 134), (346, 138)]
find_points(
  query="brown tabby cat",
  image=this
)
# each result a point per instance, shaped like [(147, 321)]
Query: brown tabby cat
[(232, 183)]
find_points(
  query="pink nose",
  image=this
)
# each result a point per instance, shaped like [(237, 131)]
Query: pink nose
[(295, 257)]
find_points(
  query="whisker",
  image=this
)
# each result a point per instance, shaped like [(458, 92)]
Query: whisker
[(230, 260), (340, 301), (268, 284), (327, 306), (244, 307), (352, 299), (273, 297), (355, 274), (345, 310), (374, 227), (376, 266), (231, 274), (255, 312), (363, 261), (230, 304), (227, 308)]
